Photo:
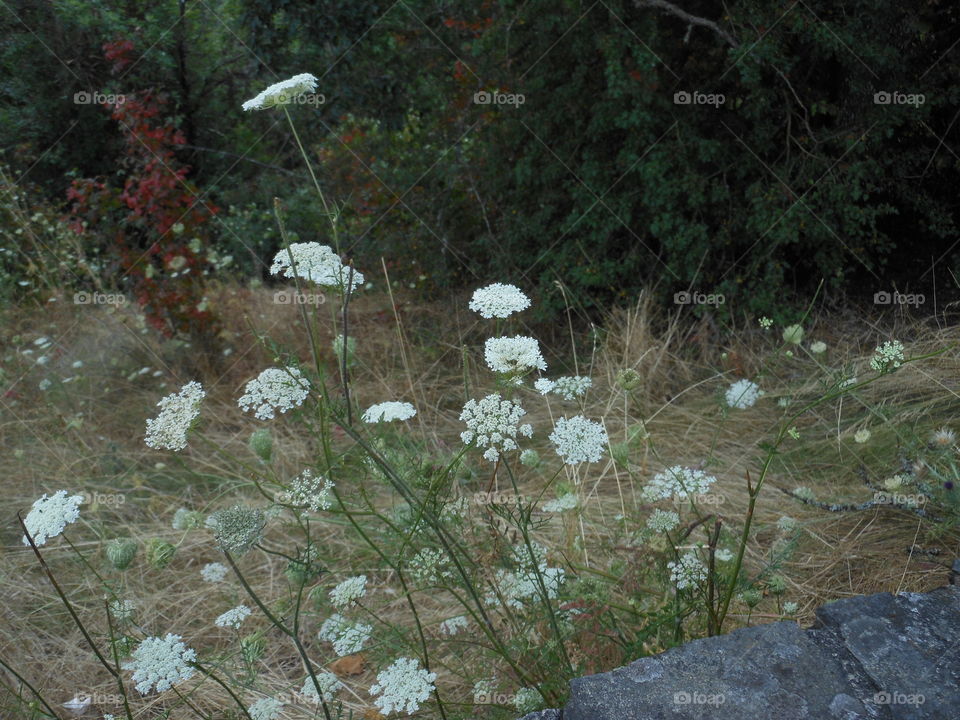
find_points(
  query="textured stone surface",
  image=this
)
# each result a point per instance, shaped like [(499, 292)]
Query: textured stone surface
[(876, 657)]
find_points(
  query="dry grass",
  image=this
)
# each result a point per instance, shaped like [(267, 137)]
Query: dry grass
[(88, 434)]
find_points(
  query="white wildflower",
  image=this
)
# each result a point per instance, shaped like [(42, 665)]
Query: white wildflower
[(283, 92), (786, 524), (429, 566), (944, 438), (50, 515), (352, 639), (349, 592), (513, 354), (312, 491), (527, 700), (454, 625), (493, 423), (573, 386), (743, 394), (332, 627), (403, 686), (766, 323), (498, 300), (793, 334), (663, 520), (578, 440), (122, 610), (389, 411), (790, 608), (265, 709), (861, 436), (161, 663), (688, 571), (329, 685), (483, 690), (315, 263), (562, 503), (177, 413), (677, 481), (818, 347), (888, 356), (805, 493), (723, 555), (544, 386), (274, 389), (214, 572), (233, 618)]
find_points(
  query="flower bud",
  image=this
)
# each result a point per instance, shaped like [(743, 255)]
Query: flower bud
[(159, 553), (629, 379), (261, 444), (120, 552)]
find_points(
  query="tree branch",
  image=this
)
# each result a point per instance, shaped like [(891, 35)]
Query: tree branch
[(672, 9)]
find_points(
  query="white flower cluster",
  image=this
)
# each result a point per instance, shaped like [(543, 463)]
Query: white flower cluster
[(743, 394), (352, 639), (50, 515), (233, 618), (888, 356), (349, 592), (329, 684), (265, 709), (389, 411), (454, 625), (429, 566), (283, 92), (526, 700), (511, 355), (274, 389), (677, 481), (312, 491), (544, 386), (494, 424), (578, 440), (498, 300), (332, 627), (663, 520), (403, 686), (177, 413), (565, 502), (161, 662), (315, 263), (214, 572), (688, 572), (516, 587)]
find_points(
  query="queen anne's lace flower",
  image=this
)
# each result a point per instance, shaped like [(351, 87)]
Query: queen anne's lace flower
[(161, 662), (332, 627), (562, 503), (544, 386), (237, 529), (213, 572), (352, 639), (578, 440), (311, 491), (349, 591), (315, 263), (513, 354), (329, 684), (663, 520), (265, 709), (688, 571), (888, 356), (572, 386), (50, 515), (498, 300), (177, 413), (274, 389), (527, 700), (680, 481), (743, 394), (283, 92), (403, 686), (454, 625), (233, 618), (389, 411), (494, 424)]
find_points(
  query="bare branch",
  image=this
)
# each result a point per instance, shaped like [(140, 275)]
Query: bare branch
[(672, 9)]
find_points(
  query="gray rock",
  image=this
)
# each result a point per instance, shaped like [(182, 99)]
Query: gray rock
[(877, 657)]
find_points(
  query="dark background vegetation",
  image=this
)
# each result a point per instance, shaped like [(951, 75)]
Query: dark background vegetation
[(598, 180)]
